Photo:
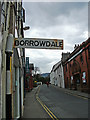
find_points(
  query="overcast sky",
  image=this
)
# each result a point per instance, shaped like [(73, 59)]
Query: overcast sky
[(61, 20)]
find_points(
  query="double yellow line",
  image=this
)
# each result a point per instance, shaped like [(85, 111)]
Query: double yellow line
[(45, 107)]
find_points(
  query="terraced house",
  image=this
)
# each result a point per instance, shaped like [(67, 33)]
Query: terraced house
[(77, 68), (57, 73)]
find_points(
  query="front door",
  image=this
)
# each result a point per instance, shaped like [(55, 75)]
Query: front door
[(76, 81)]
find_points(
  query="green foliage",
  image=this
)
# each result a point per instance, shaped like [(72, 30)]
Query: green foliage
[(38, 78)]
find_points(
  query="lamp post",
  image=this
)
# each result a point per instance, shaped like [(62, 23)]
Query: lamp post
[(24, 28)]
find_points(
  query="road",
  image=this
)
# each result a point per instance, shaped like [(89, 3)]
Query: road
[(63, 105)]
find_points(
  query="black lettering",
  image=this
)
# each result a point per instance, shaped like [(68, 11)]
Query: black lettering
[(42, 43), (26, 42), (47, 43), (53, 44), (21, 42), (36, 43), (57, 44), (60, 44), (16, 42), (31, 43)]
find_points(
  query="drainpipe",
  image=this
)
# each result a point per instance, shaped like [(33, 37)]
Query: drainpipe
[(87, 72), (9, 47)]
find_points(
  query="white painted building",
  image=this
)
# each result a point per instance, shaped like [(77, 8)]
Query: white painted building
[(56, 75), (52, 77)]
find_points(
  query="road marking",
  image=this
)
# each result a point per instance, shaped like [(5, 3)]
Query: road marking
[(45, 107), (51, 112), (76, 95)]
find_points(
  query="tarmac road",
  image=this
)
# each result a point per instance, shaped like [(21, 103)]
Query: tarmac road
[(62, 104)]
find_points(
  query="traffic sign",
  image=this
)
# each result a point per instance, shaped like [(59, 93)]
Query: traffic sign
[(38, 43)]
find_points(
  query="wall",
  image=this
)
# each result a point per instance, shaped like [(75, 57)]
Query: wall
[(78, 65), (8, 27), (56, 75)]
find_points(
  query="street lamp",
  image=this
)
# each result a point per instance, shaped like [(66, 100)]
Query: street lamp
[(26, 28)]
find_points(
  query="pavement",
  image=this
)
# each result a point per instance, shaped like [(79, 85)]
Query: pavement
[(74, 92), (33, 109)]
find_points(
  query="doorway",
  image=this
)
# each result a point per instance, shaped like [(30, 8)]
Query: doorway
[(76, 78)]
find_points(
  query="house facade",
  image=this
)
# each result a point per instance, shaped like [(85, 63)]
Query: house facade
[(12, 60), (77, 68), (57, 75)]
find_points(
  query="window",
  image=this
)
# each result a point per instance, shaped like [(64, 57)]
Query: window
[(84, 77), (71, 79)]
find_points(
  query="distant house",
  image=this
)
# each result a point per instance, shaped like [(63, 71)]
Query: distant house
[(77, 68), (52, 76), (28, 76), (57, 75)]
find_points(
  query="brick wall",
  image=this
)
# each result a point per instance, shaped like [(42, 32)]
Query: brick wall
[(77, 68)]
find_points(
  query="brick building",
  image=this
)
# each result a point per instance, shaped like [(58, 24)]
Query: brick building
[(77, 68), (28, 76)]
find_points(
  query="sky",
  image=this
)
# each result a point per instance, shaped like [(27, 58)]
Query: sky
[(59, 20)]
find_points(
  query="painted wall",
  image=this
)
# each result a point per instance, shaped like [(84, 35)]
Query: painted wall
[(56, 75)]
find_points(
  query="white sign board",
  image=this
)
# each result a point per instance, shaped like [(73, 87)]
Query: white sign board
[(38, 43)]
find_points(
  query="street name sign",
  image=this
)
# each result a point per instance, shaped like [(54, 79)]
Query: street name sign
[(38, 43)]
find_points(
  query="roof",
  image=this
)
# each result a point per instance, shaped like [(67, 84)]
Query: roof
[(79, 48), (56, 66)]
